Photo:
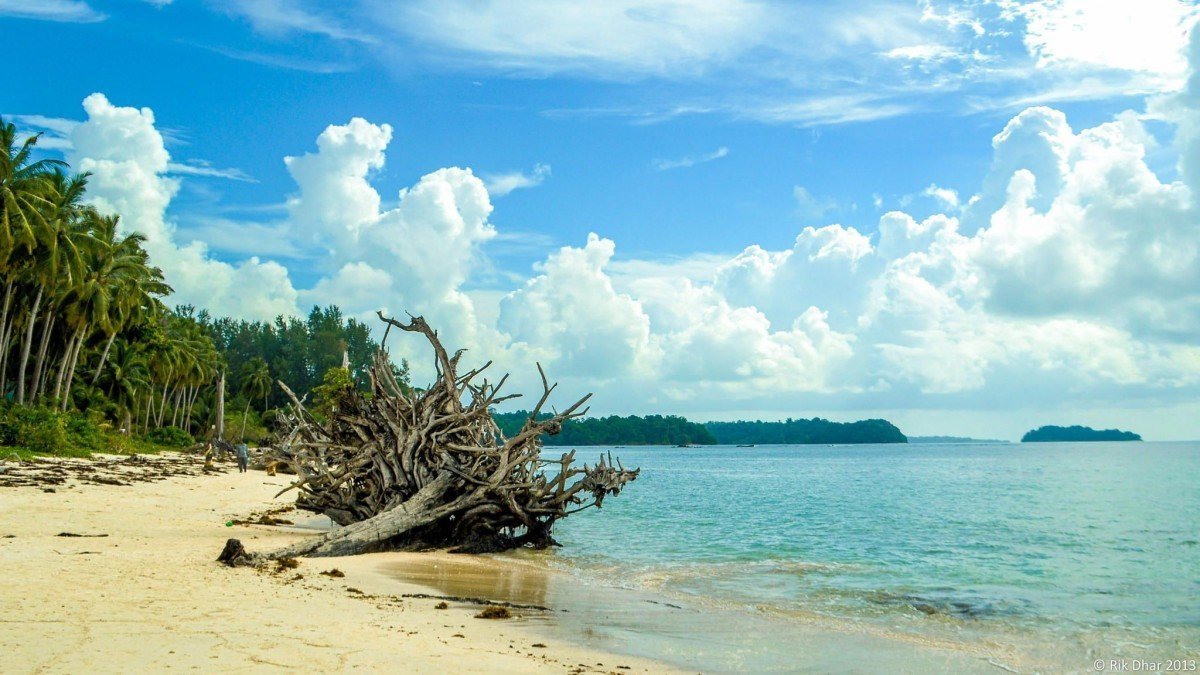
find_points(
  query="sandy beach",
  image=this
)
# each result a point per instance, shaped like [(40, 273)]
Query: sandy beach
[(149, 595)]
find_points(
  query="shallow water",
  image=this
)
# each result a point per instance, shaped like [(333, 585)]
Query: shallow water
[(1038, 557), (1088, 542)]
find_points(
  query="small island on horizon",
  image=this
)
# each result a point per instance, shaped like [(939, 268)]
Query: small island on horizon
[(1076, 434), (955, 439)]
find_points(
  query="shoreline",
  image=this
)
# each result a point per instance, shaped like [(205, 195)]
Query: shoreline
[(149, 594)]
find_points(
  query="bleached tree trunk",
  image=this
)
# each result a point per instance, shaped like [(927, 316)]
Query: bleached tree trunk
[(104, 357), (4, 355), (39, 368), (162, 407), (221, 408), (71, 372), (27, 345), (63, 363)]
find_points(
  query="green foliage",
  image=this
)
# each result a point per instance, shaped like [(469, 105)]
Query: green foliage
[(256, 429), (48, 431), (296, 351), (335, 388), (806, 432), (632, 430), (170, 436), (1076, 433)]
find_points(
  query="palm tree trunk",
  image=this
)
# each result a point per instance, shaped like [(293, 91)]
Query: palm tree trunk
[(221, 408), (28, 344), (162, 407), (62, 365), (4, 357), (8, 290), (71, 372), (190, 405), (39, 369), (104, 356), (176, 405), (245, 414)]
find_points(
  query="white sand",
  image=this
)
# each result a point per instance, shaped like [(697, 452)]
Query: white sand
[(151, 597)]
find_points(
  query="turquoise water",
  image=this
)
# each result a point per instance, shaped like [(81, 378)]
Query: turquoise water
[(1074, 550)]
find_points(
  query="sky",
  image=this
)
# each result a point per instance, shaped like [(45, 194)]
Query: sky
[(969, 218)]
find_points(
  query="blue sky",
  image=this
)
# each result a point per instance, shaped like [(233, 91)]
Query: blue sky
[(698, 140)]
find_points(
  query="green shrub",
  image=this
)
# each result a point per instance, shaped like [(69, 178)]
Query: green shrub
[(43, 430), (172, 436)]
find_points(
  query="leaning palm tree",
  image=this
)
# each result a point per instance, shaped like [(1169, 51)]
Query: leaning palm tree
[(58, 257), (25, 197)]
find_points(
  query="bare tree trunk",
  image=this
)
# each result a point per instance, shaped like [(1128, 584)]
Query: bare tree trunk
[(104, 356), (39, 369), (63, 363), (27, 345), (221, 408), (71, 372), (4, 341), (4, 332), (162, 407)]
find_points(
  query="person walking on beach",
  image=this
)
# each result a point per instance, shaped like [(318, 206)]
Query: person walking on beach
[(243, 457)]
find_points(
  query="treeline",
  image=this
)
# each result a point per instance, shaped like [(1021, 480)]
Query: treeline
[(675, 430), (86, 340), (1076, 433), (614, 430), (297, 351), (806, 432)]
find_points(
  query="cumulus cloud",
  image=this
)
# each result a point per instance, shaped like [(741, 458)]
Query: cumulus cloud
[(128, 161), (1073, 273)]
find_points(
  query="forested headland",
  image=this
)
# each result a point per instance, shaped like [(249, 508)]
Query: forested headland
[(1076, 433), (675, 430), (615, 430)]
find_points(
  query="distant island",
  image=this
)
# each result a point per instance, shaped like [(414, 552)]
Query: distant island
[(1053, 434), (616, 430), (679, 431), (951, 439), (806, 432)]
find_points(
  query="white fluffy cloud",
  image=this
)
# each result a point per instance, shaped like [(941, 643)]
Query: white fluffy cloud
[(1074, 272), (128, 162)]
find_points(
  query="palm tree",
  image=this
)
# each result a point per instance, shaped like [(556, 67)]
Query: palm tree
[(57, 257), (25, 197)]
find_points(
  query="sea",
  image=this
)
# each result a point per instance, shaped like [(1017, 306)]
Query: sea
[(1048, 557), (939, 557)]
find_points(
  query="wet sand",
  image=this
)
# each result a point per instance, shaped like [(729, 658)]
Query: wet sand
[(149, 595)]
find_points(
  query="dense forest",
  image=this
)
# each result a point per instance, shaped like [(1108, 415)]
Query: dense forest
[(88, 347), (802, 432), (675, 430), (1076, 433), (614, 430)]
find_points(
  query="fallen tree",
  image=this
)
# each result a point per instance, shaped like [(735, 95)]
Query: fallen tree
[(406, 469)]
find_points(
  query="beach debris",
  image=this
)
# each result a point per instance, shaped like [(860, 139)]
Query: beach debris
[(442, 605), (538, 645), (74, 534), (494, 612), (49, 473), (476, 601), (233, 554), (282, 564), (429, 468), (335, 573)]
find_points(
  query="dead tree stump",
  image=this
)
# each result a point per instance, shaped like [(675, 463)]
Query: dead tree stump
[(415, 469)]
